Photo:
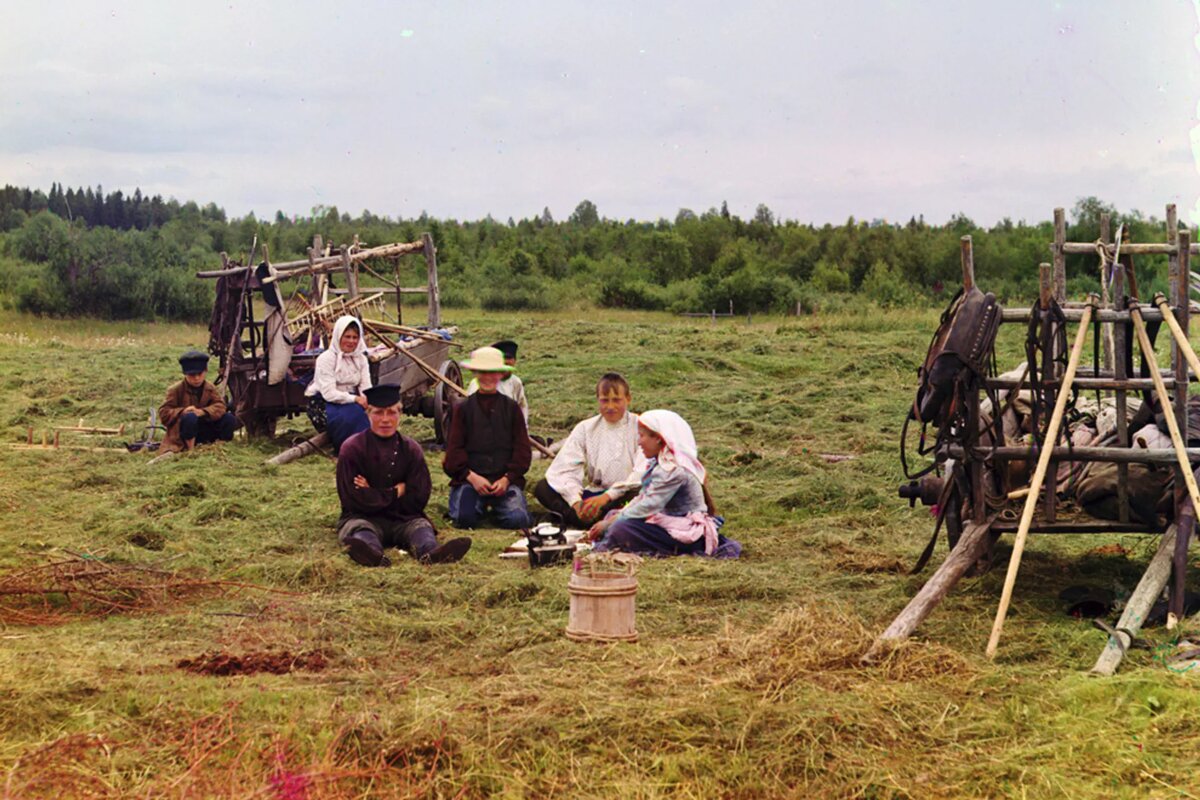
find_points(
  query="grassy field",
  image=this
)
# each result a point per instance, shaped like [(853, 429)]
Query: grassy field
[(457, 681)]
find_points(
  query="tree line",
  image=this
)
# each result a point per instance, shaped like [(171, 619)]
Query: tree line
[(93, 207), (81, 251)]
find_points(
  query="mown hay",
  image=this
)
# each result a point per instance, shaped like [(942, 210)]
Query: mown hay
[(821, 644), (77, 586), (219, 755)]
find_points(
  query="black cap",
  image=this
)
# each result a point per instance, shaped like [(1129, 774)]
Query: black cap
[(193, 362), (508, 347), (383, 396)]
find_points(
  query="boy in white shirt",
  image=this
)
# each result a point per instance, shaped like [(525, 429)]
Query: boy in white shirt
[(600, 466)]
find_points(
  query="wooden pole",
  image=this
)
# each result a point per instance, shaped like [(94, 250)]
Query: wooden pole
[(407, 331), (433, 373), (301, 450), (1059, 257), (1181, 338), (434, 297), (1184, 528), (1121, 348), (351, 273), (1138, 606), (1047, 330), (1164, 401), (1186, 516), (425, 366), (328, 263), (971, 547), (1136, 249), (1106, 329), (1039, 475), (967, 256)]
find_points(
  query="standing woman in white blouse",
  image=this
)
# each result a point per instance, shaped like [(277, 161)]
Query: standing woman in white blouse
[(341, 375)]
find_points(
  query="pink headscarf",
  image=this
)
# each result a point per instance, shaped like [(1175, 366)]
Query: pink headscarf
[(680, 449)]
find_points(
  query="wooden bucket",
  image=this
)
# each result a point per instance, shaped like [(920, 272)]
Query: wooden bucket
[(603, 591)]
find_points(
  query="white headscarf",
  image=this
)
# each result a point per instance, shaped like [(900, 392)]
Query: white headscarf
[(335, 343), (680, 443)]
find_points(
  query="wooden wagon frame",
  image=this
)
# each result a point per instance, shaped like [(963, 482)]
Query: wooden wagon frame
[(264, 380), (981, 526)]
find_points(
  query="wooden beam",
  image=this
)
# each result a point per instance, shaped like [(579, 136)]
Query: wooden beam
[(435, 297), (972, 545), (1149, 314), (1138, 606), (307, 447), (1135, 249), (385, 289), (1035, 485), (1059, 258), (1117, 455), (967, 257)]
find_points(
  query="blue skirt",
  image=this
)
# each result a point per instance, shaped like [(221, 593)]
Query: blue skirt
[(645, 538), (343, 420)]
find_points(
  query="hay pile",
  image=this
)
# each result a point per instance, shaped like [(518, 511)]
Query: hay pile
[(65, 589)]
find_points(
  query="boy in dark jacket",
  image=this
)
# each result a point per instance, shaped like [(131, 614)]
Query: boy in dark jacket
[(383, 485), (487, 451)]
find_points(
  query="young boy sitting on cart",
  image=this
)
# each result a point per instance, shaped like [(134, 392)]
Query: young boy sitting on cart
[(487, 450), (193, 411)]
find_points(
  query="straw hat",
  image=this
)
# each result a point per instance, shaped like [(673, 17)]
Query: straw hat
[(486, 359)]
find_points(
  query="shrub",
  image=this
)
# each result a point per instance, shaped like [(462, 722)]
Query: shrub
[(884, 285), (515, 293), (829, 277)]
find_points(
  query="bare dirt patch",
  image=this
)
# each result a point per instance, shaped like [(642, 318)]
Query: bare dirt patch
[(280, 663)]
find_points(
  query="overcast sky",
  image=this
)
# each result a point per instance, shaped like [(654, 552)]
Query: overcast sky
[(819, 109)]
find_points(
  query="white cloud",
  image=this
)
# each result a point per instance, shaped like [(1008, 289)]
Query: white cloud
[(819, 110)]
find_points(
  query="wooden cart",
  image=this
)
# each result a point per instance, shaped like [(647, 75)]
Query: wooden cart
[(977, 504), (267, 344)]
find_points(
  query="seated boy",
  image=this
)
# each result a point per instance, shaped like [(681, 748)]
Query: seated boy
[(383, 484), (487, 450), (599, 466), (193, 412), (510, 384)]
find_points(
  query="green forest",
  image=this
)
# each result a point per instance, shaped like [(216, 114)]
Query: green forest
[(85, 252)]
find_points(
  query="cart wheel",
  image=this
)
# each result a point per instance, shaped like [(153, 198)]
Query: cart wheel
[(445, 398)]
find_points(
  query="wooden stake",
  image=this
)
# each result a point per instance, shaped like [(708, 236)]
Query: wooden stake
[(434, 296), (1060, 260), (301, 450), (1138, 605), (1177, 332), (967, 256), (1164, 401), (1039, 476), (970, 548), (409, 331)]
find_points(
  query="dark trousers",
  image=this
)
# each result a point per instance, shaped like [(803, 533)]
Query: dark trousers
[(468, 508), (552, 501), (205, 430), (414, 535)]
